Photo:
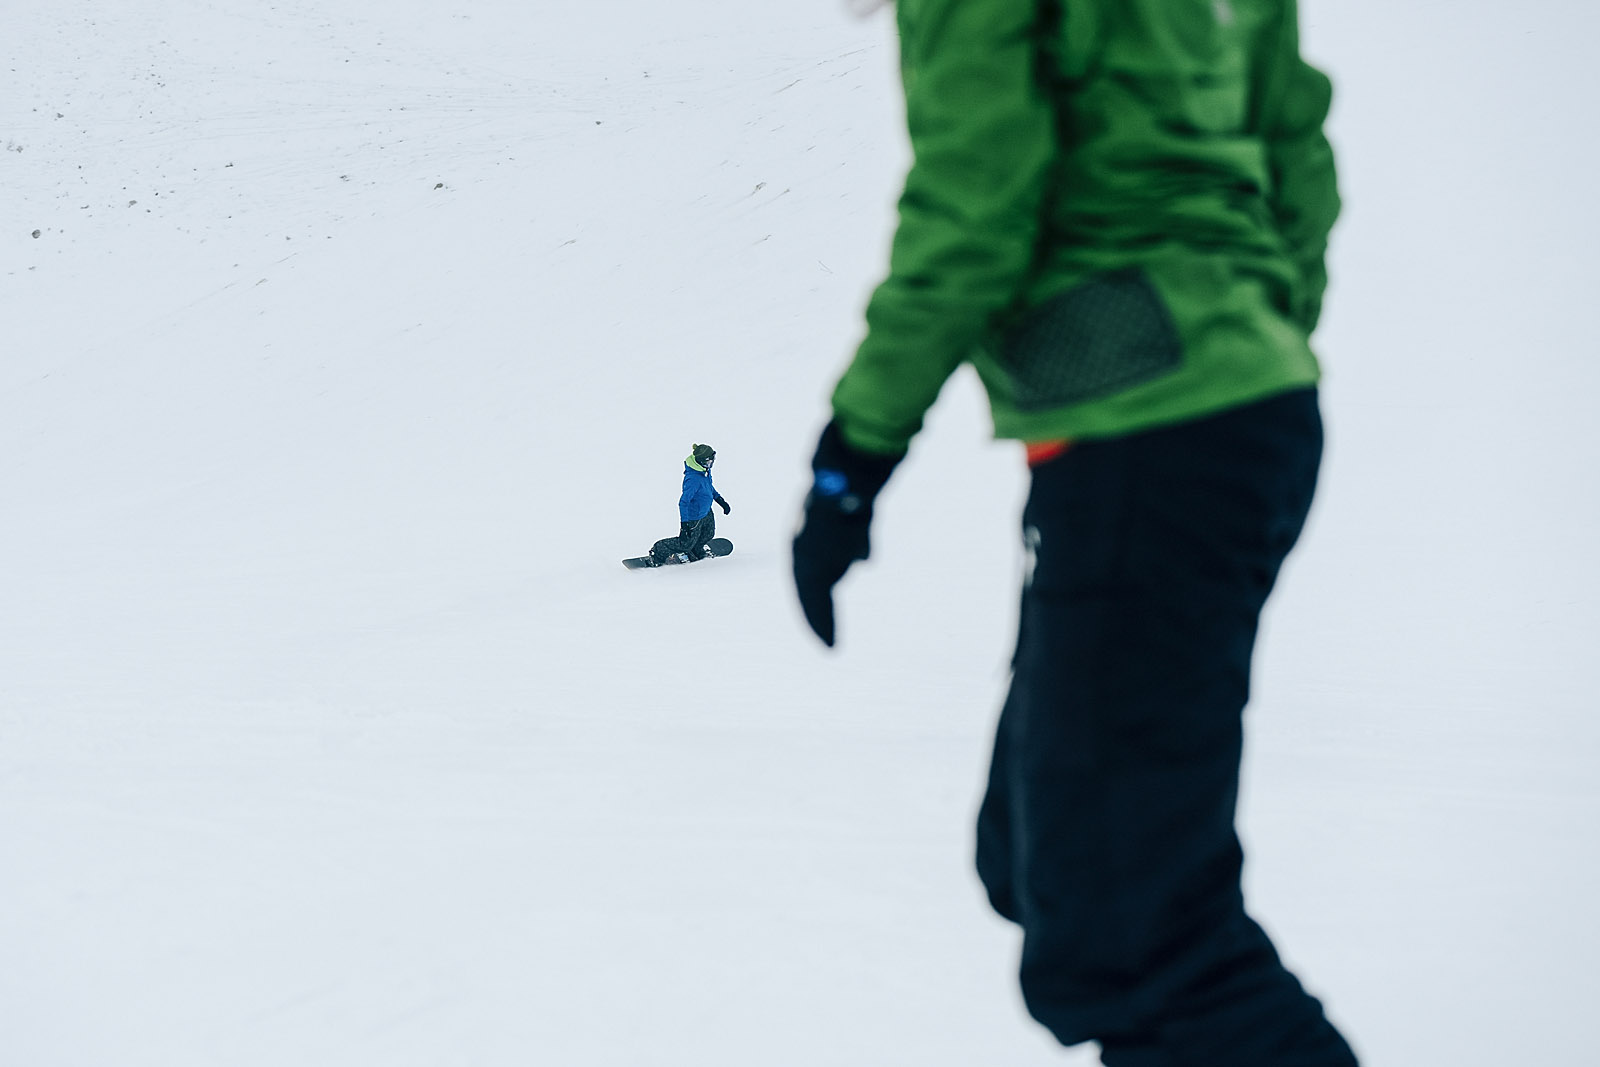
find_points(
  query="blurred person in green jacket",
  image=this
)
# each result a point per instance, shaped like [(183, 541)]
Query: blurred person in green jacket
[(1117, 212)]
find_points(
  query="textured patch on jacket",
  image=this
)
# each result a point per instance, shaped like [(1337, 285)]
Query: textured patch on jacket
[(1106, 334)]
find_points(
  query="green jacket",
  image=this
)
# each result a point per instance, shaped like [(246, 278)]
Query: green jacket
[(1117, 210)]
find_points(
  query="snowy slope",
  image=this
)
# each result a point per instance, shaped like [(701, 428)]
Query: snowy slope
[(359, 342)]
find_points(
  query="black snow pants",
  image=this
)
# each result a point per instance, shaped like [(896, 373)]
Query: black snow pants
[(691, 540), (1107, 831)]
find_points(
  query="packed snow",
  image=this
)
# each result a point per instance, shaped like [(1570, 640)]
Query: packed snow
[(348, 349)]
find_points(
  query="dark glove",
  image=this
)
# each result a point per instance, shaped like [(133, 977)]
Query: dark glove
[(721, 503), (833, 533)]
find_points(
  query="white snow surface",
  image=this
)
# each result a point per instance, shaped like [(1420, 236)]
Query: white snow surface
[(358, 342)]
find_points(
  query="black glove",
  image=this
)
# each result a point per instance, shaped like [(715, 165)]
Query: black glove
[(838, 511), (721, 503)]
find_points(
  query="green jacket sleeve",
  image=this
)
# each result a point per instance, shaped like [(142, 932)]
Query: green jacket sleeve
[(982, 142), (1305, 193)]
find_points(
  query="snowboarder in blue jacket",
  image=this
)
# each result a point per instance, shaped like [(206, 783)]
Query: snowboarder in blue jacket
[(697, 523)]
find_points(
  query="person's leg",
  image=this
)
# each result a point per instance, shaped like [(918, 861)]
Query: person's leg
[(704, 530), (995, 853), (668, 547), (1109, 825)]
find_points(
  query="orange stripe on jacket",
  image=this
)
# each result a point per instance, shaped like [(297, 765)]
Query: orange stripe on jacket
[(1044, 451)]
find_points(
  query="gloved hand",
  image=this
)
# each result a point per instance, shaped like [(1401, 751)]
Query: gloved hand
[(723, 504), (838, 512)]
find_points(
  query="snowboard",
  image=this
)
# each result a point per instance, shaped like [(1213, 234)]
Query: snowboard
[(720, 546)]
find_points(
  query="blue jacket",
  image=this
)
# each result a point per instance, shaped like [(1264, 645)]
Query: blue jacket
[(698, 493)]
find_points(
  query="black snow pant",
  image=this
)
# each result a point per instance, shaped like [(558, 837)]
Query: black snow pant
[(691, 540), (1107, 831)]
